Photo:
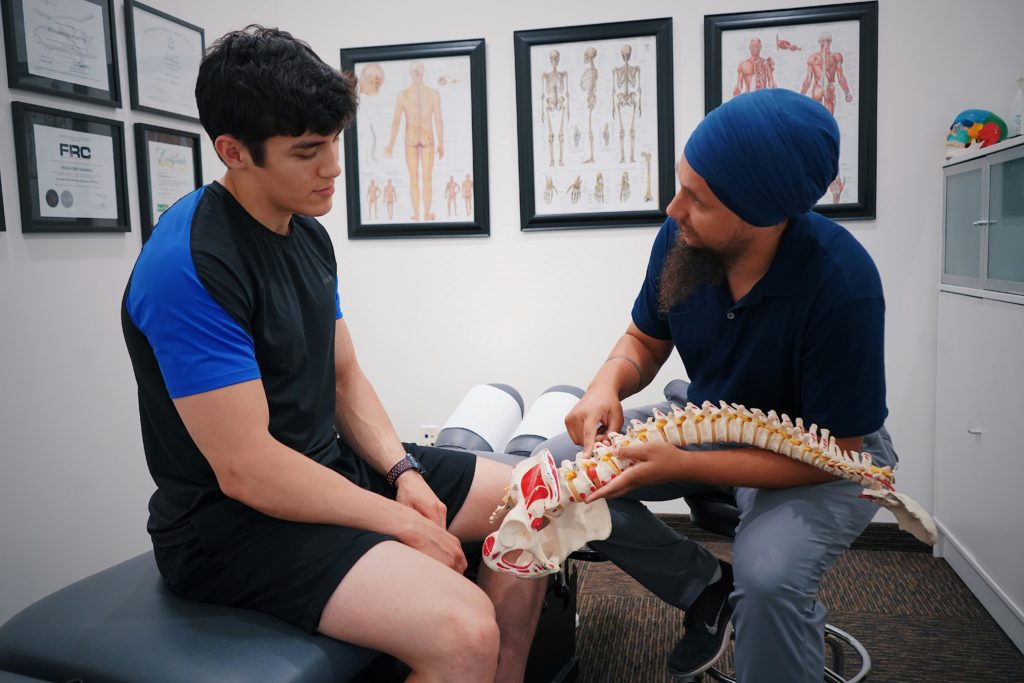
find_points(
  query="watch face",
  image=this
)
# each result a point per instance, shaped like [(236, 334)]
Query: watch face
[(414, 462)]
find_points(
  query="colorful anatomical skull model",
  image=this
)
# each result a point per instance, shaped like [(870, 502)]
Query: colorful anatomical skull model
[(544, 522), (974, 126)]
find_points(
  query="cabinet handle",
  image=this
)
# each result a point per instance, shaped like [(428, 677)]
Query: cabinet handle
[(980, 223), (976, 432)]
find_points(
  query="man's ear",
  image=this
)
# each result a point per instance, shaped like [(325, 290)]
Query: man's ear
[(232, 152)]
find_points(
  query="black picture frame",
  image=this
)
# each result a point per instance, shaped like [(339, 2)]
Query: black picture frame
[(3, 214), (456, 72), (176, 171), (74, 169), (726, 32), (653, 38), (57, 73), (174, 86)]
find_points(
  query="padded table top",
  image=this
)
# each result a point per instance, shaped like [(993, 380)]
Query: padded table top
[(122, 625)]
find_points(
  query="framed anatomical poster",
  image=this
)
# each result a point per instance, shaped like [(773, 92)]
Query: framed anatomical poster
[(828, 53), (416, 155), (594, 111)]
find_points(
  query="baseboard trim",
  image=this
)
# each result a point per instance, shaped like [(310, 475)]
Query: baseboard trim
[(996, 602), (877, 535)]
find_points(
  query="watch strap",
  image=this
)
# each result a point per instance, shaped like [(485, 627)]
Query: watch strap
[(401, 467)]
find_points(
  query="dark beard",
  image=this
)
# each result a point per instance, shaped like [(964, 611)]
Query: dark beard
[(685, 269)]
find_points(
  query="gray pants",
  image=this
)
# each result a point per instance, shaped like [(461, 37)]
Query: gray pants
[(785, 541)]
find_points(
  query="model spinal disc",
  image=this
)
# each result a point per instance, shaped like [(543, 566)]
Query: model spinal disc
[(543, 522)]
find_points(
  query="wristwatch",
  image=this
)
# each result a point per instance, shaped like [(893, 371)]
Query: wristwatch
[(402, 466)]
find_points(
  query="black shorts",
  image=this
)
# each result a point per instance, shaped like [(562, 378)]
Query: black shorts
[(244, 558)]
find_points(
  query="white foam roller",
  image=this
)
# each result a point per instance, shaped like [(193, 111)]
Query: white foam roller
[(544, 419), (490, 412)]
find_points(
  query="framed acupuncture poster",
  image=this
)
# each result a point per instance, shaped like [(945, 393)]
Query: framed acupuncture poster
[(169, 166), (416, 155), (594, 112), (829, 53), (62, 47), (71, 171), (163, 61)]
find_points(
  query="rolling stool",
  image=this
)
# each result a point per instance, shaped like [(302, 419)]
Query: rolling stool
[(717, 513)]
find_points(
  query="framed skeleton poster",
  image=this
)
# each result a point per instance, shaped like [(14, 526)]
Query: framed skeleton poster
[(416, 155), (829, 53), (594, 109)]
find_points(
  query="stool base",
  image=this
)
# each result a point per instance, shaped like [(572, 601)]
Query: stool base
[(835, 638)]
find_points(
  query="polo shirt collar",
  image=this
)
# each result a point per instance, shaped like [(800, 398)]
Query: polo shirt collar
[(784, 273)]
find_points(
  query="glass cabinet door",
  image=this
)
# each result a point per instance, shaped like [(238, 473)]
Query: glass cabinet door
[(1006, 225), (962, 239)]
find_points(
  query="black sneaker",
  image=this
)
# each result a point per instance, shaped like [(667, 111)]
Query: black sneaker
[(708, 627)]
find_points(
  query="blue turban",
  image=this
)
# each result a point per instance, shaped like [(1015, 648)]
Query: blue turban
[(767, 155)]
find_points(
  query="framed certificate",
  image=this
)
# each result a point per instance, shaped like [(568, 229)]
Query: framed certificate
[(71, 171), (62, 47), (163, 61), (169, 166)]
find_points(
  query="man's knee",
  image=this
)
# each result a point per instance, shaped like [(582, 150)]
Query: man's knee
[(467, 635), (769, 584)]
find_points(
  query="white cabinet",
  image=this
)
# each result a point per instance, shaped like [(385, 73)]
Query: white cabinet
[(979, 458), (983, 219)]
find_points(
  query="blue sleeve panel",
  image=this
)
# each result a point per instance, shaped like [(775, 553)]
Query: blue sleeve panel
[(338, 315), (198, 346)]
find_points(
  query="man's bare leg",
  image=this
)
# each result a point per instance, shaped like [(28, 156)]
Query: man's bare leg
[(517, 602), (412, 162), (402, 602)]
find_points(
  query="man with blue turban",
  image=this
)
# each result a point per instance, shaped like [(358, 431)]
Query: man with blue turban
[(770, 306)]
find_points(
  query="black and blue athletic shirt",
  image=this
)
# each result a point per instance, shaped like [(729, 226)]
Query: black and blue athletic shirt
[(216, 299)]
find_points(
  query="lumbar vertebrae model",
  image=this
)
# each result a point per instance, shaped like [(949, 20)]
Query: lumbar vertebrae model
[(543, 522)]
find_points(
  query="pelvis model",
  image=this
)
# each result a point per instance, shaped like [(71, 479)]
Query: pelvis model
[(544, 521)]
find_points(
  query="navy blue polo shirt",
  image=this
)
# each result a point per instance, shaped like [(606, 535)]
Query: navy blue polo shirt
[(807, 340)]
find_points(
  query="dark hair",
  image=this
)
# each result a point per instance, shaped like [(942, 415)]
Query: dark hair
[(260, 82)]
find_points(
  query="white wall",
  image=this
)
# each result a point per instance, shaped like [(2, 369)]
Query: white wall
[(433, 317)]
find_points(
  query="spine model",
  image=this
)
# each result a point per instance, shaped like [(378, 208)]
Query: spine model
[(541, 493), (725, 424)]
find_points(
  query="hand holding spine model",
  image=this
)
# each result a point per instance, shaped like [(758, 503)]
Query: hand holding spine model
[(543, 522)]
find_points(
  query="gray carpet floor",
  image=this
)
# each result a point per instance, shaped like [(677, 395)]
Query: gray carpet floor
[(914, 615)]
